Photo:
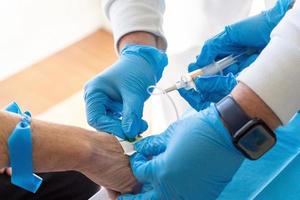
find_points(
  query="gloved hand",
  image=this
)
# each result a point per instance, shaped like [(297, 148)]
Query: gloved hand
[(193, 159), (209, 89), (251, 33), (115, 98)]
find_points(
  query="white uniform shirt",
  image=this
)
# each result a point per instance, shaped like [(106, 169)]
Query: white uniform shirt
[(273, 76)]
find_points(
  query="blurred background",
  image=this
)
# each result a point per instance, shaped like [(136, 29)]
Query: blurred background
[(50, 48)]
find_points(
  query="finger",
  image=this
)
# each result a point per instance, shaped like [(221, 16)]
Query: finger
[(132, 122), (214, 49), (2, 170), (151, 146), (194, 98), (234, 69), (150, 195), (141, 167), (8, 171), (99, 117), (193, 67), (109, 125), (133, 125), (214, 88), (144, 126), (209, 89), (114, 109), (215, 83), (278, 11)]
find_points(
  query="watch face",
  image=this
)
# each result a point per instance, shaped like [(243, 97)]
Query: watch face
[(256, 141)]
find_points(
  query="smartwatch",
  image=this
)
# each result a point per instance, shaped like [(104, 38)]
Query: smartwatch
[(251, 136)]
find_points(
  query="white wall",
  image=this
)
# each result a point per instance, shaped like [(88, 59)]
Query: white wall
[(30, 30), (188, 23), (33, 29)]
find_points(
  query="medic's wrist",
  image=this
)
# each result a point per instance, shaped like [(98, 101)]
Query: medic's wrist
[(248, 126), (139, 37), (254, 106)]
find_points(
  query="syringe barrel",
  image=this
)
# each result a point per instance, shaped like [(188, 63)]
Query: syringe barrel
[(219, 66), (187, 81), (210, 69)]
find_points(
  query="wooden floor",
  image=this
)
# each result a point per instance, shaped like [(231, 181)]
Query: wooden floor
[(59, 76)]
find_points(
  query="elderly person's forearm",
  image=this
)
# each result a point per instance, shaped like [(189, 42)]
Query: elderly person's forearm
[(59, 148)]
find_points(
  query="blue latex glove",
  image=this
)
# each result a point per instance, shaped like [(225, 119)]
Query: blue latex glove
[(193, 159), (115, 98), (209, 89), (251, 33)]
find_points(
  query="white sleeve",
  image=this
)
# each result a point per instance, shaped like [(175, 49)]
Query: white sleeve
[(275, 75), (136, 15)]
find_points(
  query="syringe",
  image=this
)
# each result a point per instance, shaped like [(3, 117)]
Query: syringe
[(187, 80)]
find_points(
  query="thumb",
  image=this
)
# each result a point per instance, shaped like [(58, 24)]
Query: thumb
[(276, 13), (9, 171), (142, 168), (214, 49), (97, 106), (194, 98), (150, 195), (132, 122), (214, 88), (244, 64), (206, 56), (151, 146)]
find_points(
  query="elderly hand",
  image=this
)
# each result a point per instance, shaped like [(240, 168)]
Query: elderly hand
[(105, 164), (115, 98), (193, 159)]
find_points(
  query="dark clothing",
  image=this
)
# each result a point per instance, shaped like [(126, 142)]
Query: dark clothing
[(69, 185)]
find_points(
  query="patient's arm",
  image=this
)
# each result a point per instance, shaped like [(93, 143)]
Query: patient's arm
[(58, 148)]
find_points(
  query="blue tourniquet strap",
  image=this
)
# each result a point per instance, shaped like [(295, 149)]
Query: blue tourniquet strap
[(20, 152)]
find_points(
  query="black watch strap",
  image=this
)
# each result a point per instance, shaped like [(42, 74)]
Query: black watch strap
[(232, 114)]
